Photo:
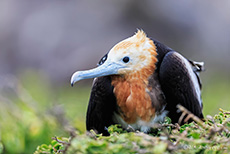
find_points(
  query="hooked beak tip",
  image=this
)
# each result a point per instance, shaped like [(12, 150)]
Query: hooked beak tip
[(73, 79), (72, 82)]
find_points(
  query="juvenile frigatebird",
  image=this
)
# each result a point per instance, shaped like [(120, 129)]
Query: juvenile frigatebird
[(138, 82)]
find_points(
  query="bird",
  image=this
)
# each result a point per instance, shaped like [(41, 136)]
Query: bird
[(138, 83)]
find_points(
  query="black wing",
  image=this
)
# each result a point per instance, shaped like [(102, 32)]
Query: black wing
[(101, 106), (180, 85)]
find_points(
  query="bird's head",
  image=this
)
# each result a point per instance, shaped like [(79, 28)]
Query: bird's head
[(136, 54)]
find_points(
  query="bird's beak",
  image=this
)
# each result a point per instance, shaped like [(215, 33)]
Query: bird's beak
[(108, 68)]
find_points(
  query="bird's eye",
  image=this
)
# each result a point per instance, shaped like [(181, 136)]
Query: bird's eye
[(125, 59)]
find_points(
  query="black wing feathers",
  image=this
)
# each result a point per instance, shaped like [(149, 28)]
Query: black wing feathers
[(101, 106), (178, 86), (162, 50)]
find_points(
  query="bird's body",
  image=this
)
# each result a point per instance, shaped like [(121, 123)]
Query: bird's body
[(138, 83)]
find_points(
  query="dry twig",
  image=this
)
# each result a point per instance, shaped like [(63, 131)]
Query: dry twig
[(190, 115)]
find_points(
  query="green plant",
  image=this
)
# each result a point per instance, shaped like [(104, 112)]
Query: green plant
[(211, 136)]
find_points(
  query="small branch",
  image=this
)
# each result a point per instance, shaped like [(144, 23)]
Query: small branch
[(171, 125), (225, 112), (59, 141), (62, 142), (181, 117), (191, 115)]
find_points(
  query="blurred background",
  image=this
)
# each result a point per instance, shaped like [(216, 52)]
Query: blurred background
[(43, 42)]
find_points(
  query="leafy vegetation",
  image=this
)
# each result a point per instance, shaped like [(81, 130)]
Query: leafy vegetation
[(211, 136)]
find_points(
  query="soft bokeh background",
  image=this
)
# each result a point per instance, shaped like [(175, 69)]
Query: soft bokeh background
[(43, 42)]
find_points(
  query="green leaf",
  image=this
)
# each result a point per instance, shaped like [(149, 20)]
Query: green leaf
[(195, 135)]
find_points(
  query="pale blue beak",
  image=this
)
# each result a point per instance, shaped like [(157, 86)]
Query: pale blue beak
[(108, 68)]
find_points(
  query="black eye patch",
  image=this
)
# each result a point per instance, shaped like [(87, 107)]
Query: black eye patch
[(103, 59)]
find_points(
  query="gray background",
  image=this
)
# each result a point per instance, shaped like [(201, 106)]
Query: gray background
[(58, 37)]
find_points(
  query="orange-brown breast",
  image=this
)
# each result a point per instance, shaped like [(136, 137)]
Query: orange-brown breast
[(131, 93)]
